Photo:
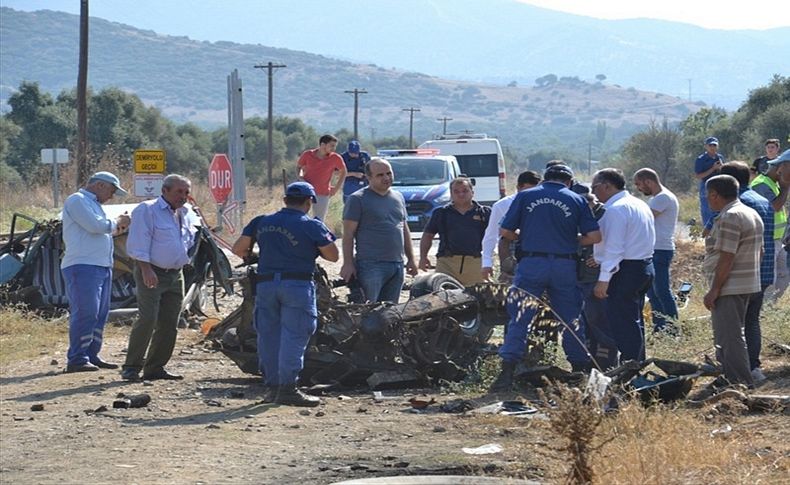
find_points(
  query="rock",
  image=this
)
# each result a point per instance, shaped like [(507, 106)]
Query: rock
[(439, 429), (304, 412), (213, 426), (320, 414), (54, 362), (37, 407)]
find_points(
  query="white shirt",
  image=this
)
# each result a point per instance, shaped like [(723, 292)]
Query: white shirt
[(665, 210), (159, 235), (628, 231), (491, 237)]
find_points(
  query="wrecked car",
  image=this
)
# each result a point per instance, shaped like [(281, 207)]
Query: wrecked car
[(30, 267)]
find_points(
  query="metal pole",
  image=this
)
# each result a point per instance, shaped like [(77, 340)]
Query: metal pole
[(356, 92), (270, 66), (55, 184), (411, 124), (444, 121)]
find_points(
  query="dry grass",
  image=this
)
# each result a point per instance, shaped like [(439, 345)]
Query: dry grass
[(24, 335)]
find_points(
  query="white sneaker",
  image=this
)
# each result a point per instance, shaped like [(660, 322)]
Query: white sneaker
[(757, 375)]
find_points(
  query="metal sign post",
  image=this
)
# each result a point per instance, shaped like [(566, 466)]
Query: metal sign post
[(55, 156)]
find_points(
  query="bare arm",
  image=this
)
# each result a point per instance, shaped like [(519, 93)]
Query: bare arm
[(243, 246), (411, 265), (425, 246), (508, 234), (720, 275), (329, 252), (593, 237), (779, 201), (348, 270), (341, 178)]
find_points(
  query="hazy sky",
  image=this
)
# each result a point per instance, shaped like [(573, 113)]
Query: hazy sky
[(717, 14)]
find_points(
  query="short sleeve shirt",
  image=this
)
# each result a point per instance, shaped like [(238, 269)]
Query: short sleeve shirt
[(380, 220), (705, 162), (288, 241), (459, 234), (550, 217), (318, 171), (737, 229), (665, 208)]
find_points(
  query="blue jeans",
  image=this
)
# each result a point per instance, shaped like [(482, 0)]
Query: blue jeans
[(557, 277), (660, 293), (89, 288), (625, 304), (380, 280), (705, 211), (599, 336), (285, 319)]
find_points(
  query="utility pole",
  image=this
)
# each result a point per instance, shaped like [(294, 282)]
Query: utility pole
[(83, 167), (356, 92), (444, 121), (411, 124), (270, 67)]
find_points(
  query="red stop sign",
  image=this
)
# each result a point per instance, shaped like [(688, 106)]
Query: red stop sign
[(220, 178)]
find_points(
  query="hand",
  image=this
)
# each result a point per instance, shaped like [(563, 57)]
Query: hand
[(149, 277), (601, 289), (425, 265), (411, 268), (591, 263), (710, 299), (487, 273), (348, 271)]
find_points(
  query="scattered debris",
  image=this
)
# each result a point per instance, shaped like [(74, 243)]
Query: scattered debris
[(134, 401), (506, 408), (421, 403), (487, 449), (37, 407)]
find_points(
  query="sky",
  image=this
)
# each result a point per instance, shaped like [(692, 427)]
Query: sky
[(713, 14)]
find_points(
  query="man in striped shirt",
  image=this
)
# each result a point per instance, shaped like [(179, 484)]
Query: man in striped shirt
[(732, 262)]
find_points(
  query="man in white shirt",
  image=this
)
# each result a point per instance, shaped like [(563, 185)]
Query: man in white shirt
[(664, 206), (526, 180), (625, 255)]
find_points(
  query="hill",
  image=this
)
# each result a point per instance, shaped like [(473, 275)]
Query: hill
[(186, 79)]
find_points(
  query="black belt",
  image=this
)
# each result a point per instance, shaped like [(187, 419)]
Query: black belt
[(536, 254), (639, 261), (284, 276), (165, 270)]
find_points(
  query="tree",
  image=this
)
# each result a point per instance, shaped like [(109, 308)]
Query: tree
[(657, 147), (600, 77), (546, 80)]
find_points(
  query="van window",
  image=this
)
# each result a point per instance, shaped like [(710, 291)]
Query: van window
[(419, 172), (484, 165)]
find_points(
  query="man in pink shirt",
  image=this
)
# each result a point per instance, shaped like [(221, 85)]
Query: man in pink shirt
[(316, 166)]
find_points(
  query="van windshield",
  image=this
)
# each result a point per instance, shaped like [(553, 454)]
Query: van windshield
[(416, 171), (484, 165)]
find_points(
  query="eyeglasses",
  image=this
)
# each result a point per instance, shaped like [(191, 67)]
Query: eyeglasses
[(592, 188)]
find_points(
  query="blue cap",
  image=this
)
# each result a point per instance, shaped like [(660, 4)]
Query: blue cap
[(555, 170), (111, 179), (301, 189), (712, 140), (353, 147), (784, 157)]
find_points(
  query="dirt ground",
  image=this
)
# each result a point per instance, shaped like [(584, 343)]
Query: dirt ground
[(212, 428)]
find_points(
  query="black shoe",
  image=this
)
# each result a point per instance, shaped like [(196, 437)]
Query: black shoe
[(130, 374), (504, 381), (291, 396), (86, 367), (101, 364), (270, 394), (162, 375)]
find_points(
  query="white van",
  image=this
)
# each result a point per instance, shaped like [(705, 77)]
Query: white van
[(480, 158)]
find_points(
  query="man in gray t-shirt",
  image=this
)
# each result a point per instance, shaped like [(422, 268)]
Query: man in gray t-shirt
[(664, 206), (375, 218)]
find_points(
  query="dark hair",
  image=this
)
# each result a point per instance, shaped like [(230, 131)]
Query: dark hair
[(724, 185), (613, 176), (295, 200), (560, 175), (462, 180), (647, 174), (739, 170), (774, 141), (326, 139), (528, 177), (368, 166), (552, 163)]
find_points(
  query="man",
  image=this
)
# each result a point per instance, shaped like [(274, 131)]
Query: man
[(760, 165), (576, 187), (355, 160), (550, 217), (771, 186), (526, 180), (160, 237), (375, 218), (460, 225), (316, 167), (740, 171), (706, 166), (87, 268), (731, 265), (664, 206), (625, 255), (285, 307)]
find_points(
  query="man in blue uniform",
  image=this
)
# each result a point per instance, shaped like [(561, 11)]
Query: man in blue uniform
[(285, 307), (355, 160), (550, 218), (706, 166)]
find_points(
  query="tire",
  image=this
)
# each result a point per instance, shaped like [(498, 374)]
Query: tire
[(428, 283)]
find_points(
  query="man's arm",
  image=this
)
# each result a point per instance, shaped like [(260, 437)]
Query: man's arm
[(508, 234), (720, 275), (88, 220), (243, 246), (408, 249), (490, 239), (593, 237), (425, 245), (348, 270), (715, 167), (341, 178), (329, 252)]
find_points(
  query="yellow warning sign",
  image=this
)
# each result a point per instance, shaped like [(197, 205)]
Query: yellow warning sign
[(149, 161)]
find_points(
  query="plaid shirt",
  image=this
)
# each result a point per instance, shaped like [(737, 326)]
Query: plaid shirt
[(761, 205)]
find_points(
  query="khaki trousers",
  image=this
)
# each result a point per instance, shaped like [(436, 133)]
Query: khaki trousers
[(466, 269)]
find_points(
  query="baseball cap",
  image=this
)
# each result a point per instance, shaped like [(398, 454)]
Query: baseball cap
[(712, 140), (353, 147), (111, 179), (301, 189), (784, 157), (555, 170)]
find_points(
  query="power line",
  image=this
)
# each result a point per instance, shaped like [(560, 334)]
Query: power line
[(411, 111), (356, 92), (270, 67), (444, 121)]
